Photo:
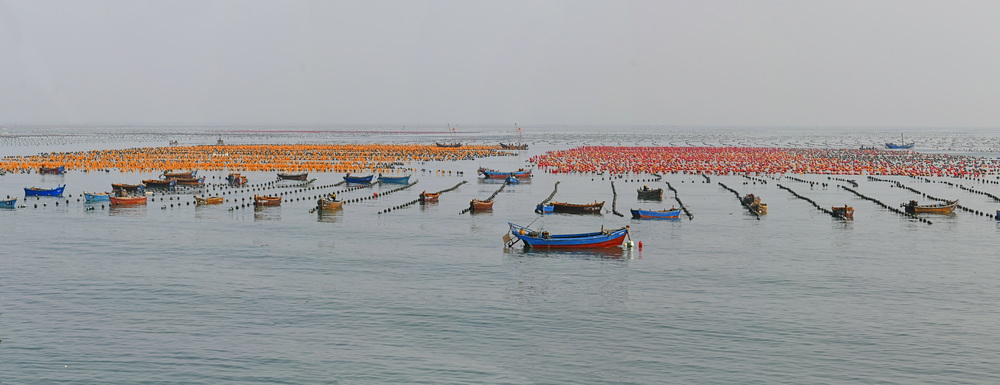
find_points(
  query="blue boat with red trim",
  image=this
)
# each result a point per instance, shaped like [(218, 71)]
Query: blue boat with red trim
[(543, 239), (41, 192)]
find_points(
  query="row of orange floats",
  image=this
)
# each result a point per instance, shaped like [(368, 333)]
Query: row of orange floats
[(742, 160), (258, 157)]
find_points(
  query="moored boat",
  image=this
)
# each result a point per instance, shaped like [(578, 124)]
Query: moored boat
[(96, 197), (844, 211), (671, 213), (8, 204), (35, 191), (159, 183), (494, 174), (266, 200), (208, 200), (650, 194), (52, 170), (426, 197), (938, 208), (394, 179), (133, 200), (358, 179), (544, 239), (478, 205), (571, 208), (286, 176)]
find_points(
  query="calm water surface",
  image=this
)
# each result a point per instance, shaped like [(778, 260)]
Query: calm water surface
[(423, 294)]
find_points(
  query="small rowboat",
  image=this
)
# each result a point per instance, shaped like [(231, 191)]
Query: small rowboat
[(478, 205), (844, 211), (672, 213), (127, 187), (52, 170), (358, 179), (96, 197), (494, 174), (429, 197), (264, 200), (137, 200), (186, 174), (284, 176), (394, 179), (330, 203), (190, 181), (158, 183), (8, 204), (208, 200), (35, 191), (572, 208), (650, 194), (543, 239), (939, 208)]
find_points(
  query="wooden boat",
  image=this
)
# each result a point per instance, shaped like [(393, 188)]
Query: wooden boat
[(429, 197), (96, 197), (265, 200), (650, 194), (449, 145), (513, 146), (671, 213), (301, 176), (572, 208), (129, 188), (358, 179), (543, 239), (394, 179), (208, 200), (52, 170), (134, 200), (235, 179), (329, 203), (939, 208), (185, 174), (8, 204), (159, 183), (494, 174), (478, 205), (35, 191), (843, 211), (190, 181)]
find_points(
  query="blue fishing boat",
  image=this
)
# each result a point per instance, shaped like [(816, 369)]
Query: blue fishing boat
[(35, 191), (394, 179), (8, 204), (98, 197), (672, 213), (358, 179), (543, 239)]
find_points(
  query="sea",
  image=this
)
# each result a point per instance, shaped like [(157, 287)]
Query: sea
[(386, 292)]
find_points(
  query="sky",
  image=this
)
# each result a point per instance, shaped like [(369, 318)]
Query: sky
[(872, 63)]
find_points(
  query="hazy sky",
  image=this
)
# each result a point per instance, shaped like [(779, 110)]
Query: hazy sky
[(409, 62)]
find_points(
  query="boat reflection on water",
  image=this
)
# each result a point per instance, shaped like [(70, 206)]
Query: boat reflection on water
[(594, 253)]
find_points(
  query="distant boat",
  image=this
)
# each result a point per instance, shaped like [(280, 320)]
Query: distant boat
[(359, 179), (285, 176), (672, 213), (494, 174), (394, 179), (939, 208), (137, 200), (902, 144), (208, 200), (52, 170), (35, 191), (96, 197), (8, 204), (650, 194), (266, 200), (571, 208), (544, 239)]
